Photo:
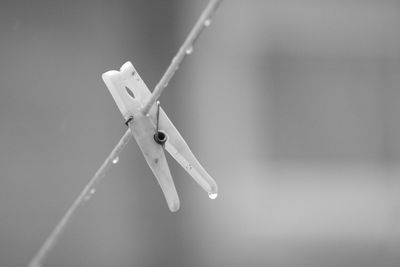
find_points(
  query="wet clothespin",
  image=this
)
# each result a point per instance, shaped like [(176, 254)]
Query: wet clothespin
[(154, 132)]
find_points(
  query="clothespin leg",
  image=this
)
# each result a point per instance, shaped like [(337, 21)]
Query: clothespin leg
[(143, 131), (181, 152)]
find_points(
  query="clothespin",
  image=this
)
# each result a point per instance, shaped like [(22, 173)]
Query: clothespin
[(154, 132)]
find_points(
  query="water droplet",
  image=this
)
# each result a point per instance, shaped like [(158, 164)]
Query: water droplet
[(90, 194), (189, 50), (190, 166), (115, 160), (212, 195), (207, 22)]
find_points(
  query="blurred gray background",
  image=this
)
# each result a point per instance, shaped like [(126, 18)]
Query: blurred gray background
[(292, 106)]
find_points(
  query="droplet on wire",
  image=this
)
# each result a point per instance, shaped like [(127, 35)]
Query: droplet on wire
[(90, 194), (207, 22), (189, 50)]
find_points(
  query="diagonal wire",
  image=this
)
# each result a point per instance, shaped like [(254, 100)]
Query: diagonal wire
[(186, 48), (86, 193)]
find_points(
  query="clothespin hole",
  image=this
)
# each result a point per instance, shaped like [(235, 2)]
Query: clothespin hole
[(130, 93)]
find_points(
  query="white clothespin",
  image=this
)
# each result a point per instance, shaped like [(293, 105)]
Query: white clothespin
[(153, 132)]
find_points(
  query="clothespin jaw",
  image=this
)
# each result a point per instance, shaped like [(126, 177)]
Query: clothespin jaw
[(125, 103), (127, 88), (131, 95)]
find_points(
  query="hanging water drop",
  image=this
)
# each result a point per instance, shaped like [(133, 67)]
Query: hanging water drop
[(207, 22), (189, 50), (212, 195), (115, 160)]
